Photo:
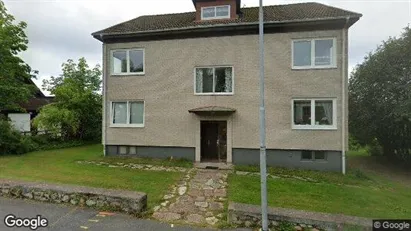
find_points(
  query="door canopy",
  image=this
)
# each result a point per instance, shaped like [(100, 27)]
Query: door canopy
[(212, 110)]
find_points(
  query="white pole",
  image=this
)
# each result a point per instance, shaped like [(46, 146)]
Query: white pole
[(263, 170), (343, 102)]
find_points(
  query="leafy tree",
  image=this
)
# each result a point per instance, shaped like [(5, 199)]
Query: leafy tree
[(15, 75), (380, 98), (77, 109)]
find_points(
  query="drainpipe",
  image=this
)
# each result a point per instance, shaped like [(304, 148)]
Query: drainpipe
[(344, 76), (104, 98)]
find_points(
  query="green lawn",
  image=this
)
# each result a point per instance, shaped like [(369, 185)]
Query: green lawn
[(58, 166), (364, 192)]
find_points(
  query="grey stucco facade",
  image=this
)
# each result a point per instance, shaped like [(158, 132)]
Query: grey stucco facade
[(167, 89)]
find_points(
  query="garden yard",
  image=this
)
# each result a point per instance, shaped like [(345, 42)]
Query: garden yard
[(370, 189), (60, 166)]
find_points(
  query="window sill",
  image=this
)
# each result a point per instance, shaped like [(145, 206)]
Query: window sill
[(126, 125), (314, 127), (313, 68), (127, 74), (213, 94)]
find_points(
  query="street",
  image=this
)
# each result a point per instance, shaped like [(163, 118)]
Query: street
[(61, 217)]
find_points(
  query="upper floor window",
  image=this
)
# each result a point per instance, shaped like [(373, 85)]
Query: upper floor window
[(214, 80), (127, 114), (314, 53), (215, 12), (127, 62), (314, 114)]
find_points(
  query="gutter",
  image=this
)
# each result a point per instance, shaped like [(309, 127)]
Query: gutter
[(343, 97), (104, 135)]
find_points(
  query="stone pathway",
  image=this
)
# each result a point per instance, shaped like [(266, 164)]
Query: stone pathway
[(147, 167), (198, 199)]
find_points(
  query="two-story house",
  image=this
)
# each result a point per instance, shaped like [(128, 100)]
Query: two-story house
[(186, 85)]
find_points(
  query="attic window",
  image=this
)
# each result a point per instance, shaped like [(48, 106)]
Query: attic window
[(215, 12)]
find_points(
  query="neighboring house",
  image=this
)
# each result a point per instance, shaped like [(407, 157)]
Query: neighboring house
[(187, 85), (22, 120)]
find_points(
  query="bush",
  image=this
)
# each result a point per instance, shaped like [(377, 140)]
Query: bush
[(353, 144), (12, 141), (375, 149)]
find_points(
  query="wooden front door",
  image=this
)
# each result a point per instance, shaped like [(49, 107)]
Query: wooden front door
[(213, 141)]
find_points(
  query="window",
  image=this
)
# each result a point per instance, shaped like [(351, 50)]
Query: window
[(127, 114), (127, 62), (314, 114), (132, 150), (313, 155), (214, 80), (315, 53), (215, 12), (122, 150)]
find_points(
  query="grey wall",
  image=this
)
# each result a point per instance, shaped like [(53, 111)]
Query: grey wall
[(287, 158), (156, 152)]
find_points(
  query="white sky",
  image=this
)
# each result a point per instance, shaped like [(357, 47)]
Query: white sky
[(60, 29)]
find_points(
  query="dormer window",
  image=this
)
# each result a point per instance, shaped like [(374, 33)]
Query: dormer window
[(215, 12)]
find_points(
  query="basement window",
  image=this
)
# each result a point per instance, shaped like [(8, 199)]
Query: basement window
[(313, 155), (215, 12)]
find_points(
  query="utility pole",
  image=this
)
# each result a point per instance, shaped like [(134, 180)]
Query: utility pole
[(263, 165)]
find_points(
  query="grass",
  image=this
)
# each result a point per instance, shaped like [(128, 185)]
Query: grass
[(164, 162), (59, 166), (364, 192)]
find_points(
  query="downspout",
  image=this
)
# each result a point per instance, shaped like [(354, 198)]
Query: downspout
[(343, 108), (104, 97)]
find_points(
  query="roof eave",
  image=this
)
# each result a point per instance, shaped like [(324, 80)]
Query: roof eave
[(100, 35)]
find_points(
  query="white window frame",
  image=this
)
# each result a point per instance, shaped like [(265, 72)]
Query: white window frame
[(313, 66), (127, 124), (215, 12), (313, 126), (128, 62), (214, 77)]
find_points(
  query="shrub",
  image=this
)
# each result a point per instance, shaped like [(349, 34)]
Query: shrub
[(12, 141), (353, 144), (375, 149)]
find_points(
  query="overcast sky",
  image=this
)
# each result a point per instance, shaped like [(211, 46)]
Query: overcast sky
[(60, 29)]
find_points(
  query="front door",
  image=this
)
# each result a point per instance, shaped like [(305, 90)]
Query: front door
[(213, 141)]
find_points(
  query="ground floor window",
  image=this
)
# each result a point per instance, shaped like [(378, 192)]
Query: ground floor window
[(127, 114), (314, 114)]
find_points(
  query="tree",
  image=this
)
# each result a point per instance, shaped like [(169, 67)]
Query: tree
[(15, 74), (380, 97), (77, 109)]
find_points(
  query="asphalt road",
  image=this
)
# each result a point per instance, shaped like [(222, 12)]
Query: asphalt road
[(61, 217)]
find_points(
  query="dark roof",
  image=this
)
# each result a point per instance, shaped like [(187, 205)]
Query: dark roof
[(272, 14), (34, 104)]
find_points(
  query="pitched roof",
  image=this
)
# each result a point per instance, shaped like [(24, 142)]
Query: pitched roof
[(275, 14)]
